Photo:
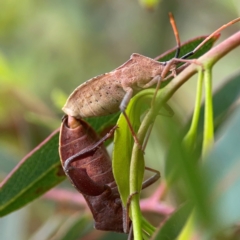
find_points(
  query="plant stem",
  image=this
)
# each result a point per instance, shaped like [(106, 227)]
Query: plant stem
[(137, 158), (190, 137), (148, 227), (208, 132), (211, 57), (136, 217)]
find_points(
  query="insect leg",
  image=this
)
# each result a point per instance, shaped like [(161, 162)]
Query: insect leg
[(156, 80), (153, 81), (145, 184), (130, 235), (169, 113), (88, 150), (169, 67), (79, 176), (126, 99), (126, 218), (123, 106), (152, 179), (132, 130)]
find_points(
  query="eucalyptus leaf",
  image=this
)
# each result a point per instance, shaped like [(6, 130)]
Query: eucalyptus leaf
[(35, 174), (224, 99), (221, 174), (214, 187), (187, 47), (174, 225), (75, 228), (123, 143)]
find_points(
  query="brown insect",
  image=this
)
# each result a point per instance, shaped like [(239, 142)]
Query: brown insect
[(104, 94), (107, 93), (88, 166)]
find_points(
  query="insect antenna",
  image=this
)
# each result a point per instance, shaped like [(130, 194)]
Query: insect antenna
[(176, 34), (162, 76), (209, 37)]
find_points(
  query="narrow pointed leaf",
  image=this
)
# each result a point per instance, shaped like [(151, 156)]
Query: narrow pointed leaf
[(174, 225), (123, 142), (39, 171), (188, 46), (221, 173)]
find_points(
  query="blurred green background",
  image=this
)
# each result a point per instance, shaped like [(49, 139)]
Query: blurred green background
[(48, 48)]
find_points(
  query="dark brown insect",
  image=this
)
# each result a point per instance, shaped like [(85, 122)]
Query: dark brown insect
[(88, 166)]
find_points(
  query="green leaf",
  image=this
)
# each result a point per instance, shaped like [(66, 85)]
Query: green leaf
[(221, 174), (75, 227), (203, 185), (224, 97), (39, 171), (174, 225), (187, 47), (100, 124), (186, 176), (123, 142)]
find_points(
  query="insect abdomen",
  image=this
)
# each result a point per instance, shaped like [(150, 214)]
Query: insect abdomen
[(99, 96)]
